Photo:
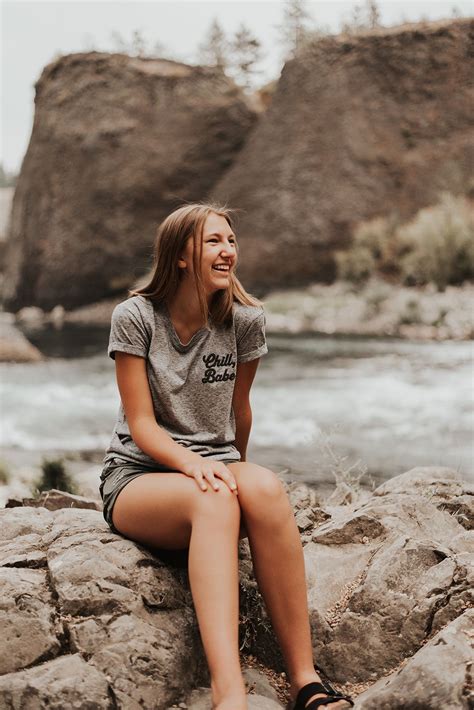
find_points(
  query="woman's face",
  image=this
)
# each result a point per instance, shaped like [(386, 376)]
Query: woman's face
[(218, 248)]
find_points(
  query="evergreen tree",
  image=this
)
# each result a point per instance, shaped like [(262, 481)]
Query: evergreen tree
[(213, 51), (373, 14), (246, 52), (363, 17), (294, 32), (137, 46)]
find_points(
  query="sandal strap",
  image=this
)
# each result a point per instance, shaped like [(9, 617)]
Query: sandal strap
[(313, 688), (310, 689)]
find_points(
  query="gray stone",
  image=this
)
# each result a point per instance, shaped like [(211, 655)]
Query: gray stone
[(257, 683), (30, 630), (84, 608), (15, 347), (65, 682), (55, 500), (337, 147), (438, 676), (200, 699), (117, 143)]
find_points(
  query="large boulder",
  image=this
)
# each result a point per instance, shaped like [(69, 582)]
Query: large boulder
[(89, 616), (358, 127), (438, 676), (14, 346), (117, 143)]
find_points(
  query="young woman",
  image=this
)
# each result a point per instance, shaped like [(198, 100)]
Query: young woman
[(176, 476)]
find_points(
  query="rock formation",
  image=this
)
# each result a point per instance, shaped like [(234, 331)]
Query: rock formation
[(14, 346), (91, 617), (359, 126), (117, 143)]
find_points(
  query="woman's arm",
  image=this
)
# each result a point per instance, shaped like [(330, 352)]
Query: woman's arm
[(241, 404), (137, 402)]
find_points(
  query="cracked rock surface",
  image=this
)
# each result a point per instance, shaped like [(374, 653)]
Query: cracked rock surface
[(91, 619)]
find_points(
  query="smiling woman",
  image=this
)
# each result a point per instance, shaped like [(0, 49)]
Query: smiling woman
[(186, 349)]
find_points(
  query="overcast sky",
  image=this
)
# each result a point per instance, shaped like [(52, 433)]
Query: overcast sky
[(33, 32)]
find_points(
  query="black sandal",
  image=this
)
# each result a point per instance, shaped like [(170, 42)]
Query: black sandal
[(313, 688)]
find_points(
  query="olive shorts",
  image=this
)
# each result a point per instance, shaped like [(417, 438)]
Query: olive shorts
[(114, 477)]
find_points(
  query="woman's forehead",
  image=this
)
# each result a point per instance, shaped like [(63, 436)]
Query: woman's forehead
[(216, 223)]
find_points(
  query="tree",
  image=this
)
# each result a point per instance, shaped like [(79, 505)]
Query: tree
[(7, 179), (246, 52), (363, 17), (137, 46), (294, 32), (373, 14), (214, 51)]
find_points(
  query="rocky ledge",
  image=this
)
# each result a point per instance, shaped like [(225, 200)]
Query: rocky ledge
[(91, 619)]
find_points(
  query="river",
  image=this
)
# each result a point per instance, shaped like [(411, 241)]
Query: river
[(384, 404)]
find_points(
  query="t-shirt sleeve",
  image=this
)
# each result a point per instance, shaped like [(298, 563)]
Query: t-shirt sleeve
[(252, 344), (129, 333)]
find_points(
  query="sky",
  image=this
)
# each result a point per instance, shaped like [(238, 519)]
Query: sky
[(33, 33)]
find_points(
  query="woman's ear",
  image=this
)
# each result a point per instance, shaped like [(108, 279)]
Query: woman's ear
[(182, 262)]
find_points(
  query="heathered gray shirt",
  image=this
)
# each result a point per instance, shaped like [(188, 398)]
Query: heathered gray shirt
[(191, 385)]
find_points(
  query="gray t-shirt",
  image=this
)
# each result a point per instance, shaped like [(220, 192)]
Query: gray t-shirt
[(191, 385)]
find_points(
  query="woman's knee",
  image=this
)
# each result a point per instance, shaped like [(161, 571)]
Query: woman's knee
[(216, 504), (259, 488)]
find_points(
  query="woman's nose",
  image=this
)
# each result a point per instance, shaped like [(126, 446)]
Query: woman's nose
[(227, 250)]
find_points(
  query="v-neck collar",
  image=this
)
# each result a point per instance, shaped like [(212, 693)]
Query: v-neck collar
[(174, 335)]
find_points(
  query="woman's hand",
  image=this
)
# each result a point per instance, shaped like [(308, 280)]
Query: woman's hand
[(203, 470)]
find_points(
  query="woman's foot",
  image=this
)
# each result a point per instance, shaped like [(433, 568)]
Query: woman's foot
[(315, 678)]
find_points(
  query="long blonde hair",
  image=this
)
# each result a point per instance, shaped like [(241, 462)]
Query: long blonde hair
[(185, 222)]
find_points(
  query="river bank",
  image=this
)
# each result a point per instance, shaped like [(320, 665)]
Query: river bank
[(376, 309)]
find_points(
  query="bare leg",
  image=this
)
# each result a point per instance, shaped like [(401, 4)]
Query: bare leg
[(278, 561), (168, 510)]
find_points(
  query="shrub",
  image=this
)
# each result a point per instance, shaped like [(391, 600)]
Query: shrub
[(4, 474), (54, 475), (439, 243), (374, 249), (436, 246)]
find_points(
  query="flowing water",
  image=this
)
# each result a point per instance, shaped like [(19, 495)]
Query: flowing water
[(384, 404)]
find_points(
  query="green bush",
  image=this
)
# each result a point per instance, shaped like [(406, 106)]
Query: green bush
[(439, 243), (374, 250), (436, 246), (4, 474), (54, 475), (356, 265)]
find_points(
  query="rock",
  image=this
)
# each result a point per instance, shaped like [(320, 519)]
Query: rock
[(442, 486), (14, 347), (25, 614), (427, 481), (403, 583), (57, 316), (257, 683), (304, 519), (200, 699), (439, 675), (358, 528), (64, 682), (117, 143), (358, 127), (31, 316), (390, 595), (102, 603), (55, 499)]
